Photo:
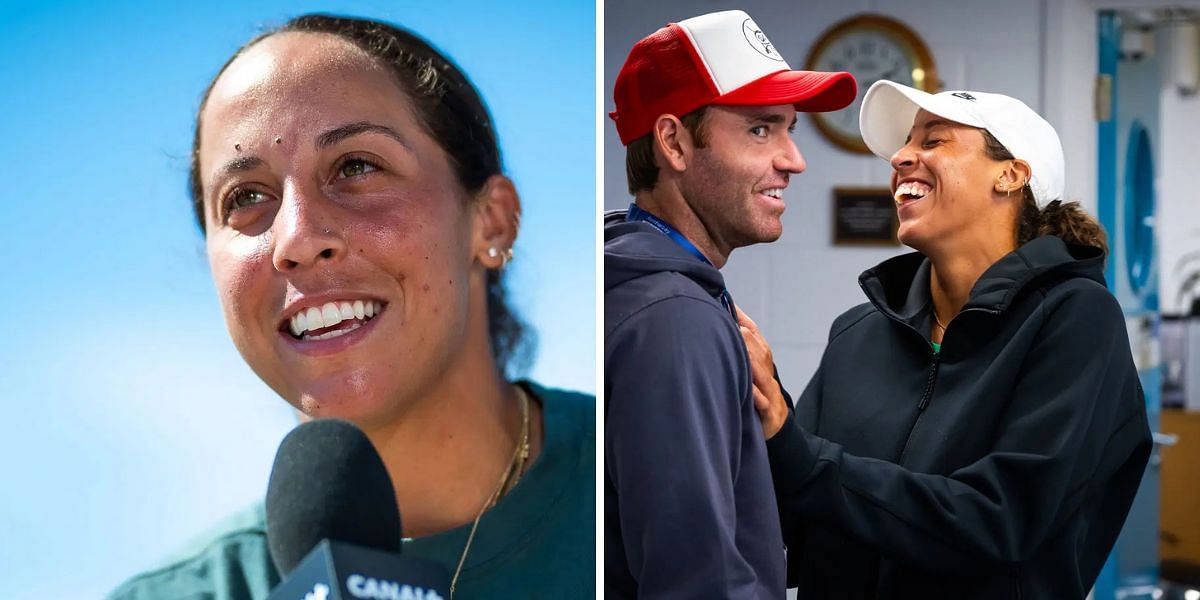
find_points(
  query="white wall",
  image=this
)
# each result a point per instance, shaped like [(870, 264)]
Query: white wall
[(1178, 222), (795, 287)]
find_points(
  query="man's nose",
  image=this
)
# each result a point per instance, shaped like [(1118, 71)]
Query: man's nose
[(791, 160)]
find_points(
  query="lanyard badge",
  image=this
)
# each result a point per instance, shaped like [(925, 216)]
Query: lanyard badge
[(637, 214)]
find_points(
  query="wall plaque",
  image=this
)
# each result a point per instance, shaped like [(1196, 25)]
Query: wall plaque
[(864, 216)]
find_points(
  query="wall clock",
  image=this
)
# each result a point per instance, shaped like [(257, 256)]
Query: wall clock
[(871, 47)]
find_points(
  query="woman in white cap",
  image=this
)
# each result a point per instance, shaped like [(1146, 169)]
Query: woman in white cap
[(976, 430)]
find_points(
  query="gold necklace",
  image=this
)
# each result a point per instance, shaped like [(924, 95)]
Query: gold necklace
[(938, 321), (515, 466)]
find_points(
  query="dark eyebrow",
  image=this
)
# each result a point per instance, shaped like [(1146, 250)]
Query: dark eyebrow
[(241, 164), (338, 134), (929, 125), (771, 118)]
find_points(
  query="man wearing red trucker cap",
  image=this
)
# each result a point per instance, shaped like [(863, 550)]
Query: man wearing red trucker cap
[(705, 108)]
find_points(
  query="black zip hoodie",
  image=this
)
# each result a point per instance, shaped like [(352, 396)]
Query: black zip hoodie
[(1002, 467), (688, 499)]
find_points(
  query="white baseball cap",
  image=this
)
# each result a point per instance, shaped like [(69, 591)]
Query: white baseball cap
[(889, 108)]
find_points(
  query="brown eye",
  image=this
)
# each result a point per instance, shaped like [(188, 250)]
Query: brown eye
[(242, 197), (355, 167)]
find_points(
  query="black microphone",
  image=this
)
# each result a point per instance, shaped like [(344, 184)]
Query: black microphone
[(333, 528)]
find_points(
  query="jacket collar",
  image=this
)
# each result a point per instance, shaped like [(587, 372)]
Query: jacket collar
[(632, 250), (899, 286)]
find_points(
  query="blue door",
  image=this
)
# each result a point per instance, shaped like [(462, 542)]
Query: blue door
[(1127, 138)]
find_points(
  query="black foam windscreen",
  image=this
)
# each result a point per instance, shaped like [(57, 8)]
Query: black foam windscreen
[(328, 482)]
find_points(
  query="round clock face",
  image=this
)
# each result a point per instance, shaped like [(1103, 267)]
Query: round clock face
[(869, 56), (871, 48)]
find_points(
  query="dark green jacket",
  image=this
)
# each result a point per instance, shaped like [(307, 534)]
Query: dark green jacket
[(539, 541)]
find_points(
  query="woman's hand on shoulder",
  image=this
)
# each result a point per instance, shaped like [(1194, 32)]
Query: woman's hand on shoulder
[(768, 395)]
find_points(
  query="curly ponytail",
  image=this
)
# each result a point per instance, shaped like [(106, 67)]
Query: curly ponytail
[(1067, 221)]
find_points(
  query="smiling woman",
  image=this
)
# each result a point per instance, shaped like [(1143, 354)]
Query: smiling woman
[(977, 430), (357, 222)]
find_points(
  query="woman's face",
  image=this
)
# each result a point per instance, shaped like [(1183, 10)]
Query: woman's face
[(339, 238), (944, 183)]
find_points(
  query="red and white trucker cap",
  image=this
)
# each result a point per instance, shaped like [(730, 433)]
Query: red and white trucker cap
[(718, 58), (889, 108)]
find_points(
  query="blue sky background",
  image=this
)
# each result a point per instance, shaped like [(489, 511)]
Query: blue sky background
[(132, 422)]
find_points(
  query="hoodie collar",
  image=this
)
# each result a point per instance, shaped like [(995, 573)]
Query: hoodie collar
[(899, 286), (634, 249)]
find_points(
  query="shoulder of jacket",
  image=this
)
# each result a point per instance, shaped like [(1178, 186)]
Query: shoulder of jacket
[(577, 407), (659, 284), (850, 318), (197, 571), (1081, 296), (664, 295)]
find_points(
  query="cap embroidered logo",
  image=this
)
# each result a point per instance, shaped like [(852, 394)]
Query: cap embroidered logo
[(700, 61), (888, 110), (758, 40)]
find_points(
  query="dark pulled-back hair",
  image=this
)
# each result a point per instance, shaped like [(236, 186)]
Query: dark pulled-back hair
[(1066, 220), (450, 109)]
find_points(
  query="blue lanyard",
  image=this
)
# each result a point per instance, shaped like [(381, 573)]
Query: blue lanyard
[(637, 214)]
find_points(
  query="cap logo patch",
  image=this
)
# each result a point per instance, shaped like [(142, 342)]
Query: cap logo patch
[(758, 40), (964, 96)]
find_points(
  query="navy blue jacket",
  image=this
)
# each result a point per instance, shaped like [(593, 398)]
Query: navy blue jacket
[(1002, 467), (688, 499)]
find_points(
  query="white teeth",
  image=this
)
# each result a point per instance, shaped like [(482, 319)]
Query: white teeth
[(330, 314), (336, 332), (315, 320), (774, 192), (915, 189)]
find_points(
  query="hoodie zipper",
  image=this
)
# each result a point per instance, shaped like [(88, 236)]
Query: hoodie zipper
[(926, 395), (934, 360), (935, 357)]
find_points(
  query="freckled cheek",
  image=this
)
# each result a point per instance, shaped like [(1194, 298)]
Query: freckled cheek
[(425, 290), (435, 279), (416, 239), (242, 277), (399, 224)]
